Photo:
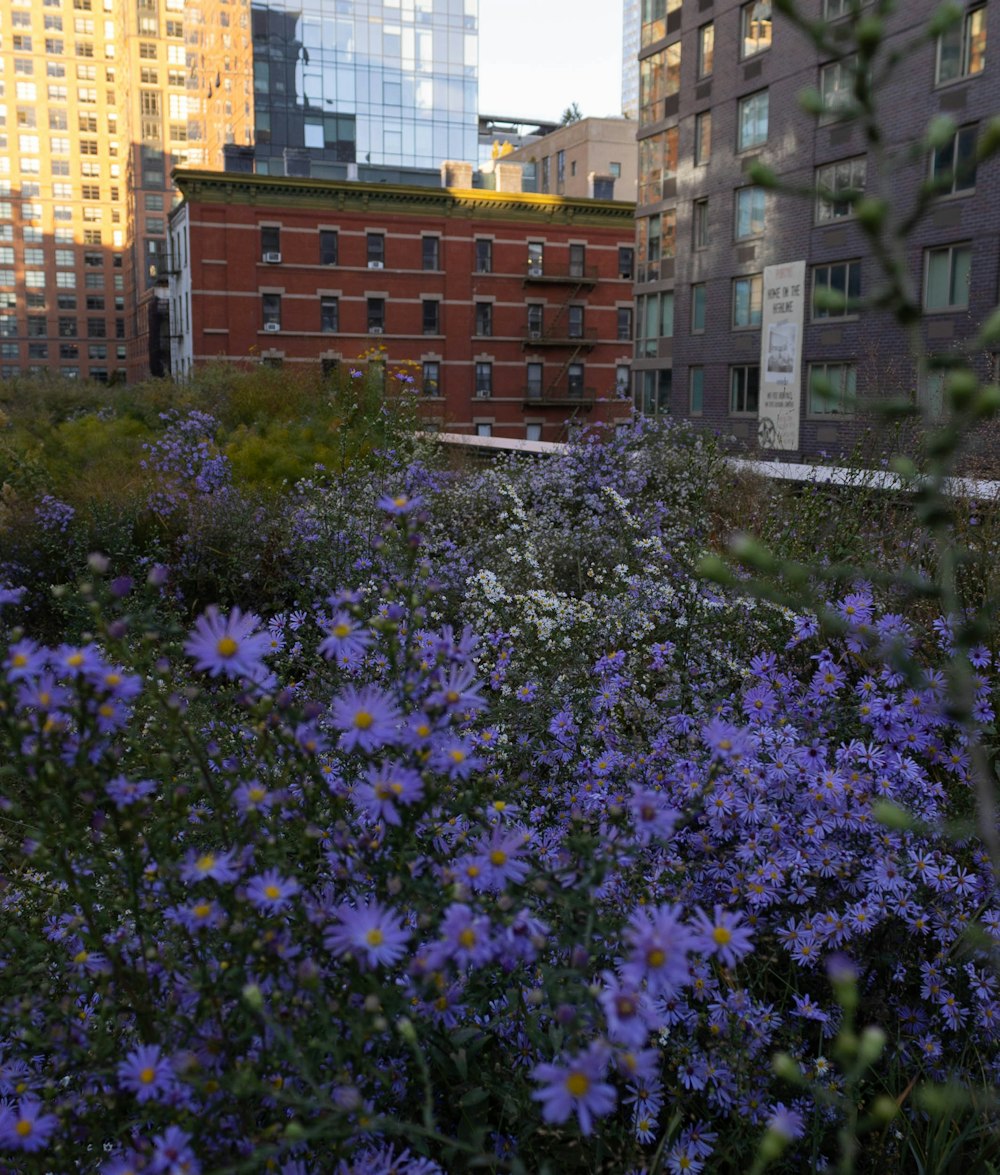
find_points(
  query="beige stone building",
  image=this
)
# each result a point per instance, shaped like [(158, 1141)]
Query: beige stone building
[(595, 157)]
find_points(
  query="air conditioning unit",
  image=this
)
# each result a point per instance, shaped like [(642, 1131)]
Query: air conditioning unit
[(272, 327), (375, 265), (535, 334), (375, 330), (272, 258)]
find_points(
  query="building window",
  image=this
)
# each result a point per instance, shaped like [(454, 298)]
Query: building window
[(744, 389), (533, 391), (484, 256), (836, 290), (836, 87), (560, 171), (484, 318), (747, 298), (947, 273), (615, 170), (484, 380), (577, 259), (432, 378), (626, 262), (574, 380), (536, 313), (484, 429), (832, 388), (706, 50), (546, 163), (574, 327), (431, 252), (328, 246), (749, 213), (702, 138), (755, 27), (696, 390), (432, 316), (659, 79), (535, 261), (376, 250), (699, 221), (329, 315), (835, 9), (961, 51), (623, 377), (953, 166), (624, 324), (533, 431), (752, 126), (271, 307), (699, 303), (838, 187), (270, 242), (376, 315)]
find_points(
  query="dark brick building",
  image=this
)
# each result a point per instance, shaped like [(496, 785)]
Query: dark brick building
[(721, 87), (513, 311)]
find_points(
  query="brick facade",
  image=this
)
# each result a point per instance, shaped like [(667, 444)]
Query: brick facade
[(420, 277), (796, 147)]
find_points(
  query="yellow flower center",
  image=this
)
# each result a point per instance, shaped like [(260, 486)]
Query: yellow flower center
[(205, 863), (577, 1084), (81, 956), (721, 935), (498, 857), (363, 720), (147, 1076), (272, 892), (374, 937), (401, 501), (467, 937), (202, 910), (256, 794), (23, 1128), (226, 647), (457, 755), (341, 630), (112, 679), (19, 660), (75, 660), (656, 957)]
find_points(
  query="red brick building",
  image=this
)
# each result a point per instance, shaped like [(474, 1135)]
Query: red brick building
[(513, 310)]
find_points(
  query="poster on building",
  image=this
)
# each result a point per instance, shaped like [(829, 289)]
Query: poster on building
[(782, 316)]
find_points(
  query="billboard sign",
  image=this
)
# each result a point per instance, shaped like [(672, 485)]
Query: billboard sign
[(782, 319)]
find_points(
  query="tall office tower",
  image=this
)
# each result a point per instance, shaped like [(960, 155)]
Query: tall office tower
[(384, 84), (631, 23), (751, 302)]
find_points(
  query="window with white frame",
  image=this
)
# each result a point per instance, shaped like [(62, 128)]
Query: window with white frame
[(836, 87), (749, 213), (755, 27), (744, 389), (832, 389), (947, 273), (836, 289), (748, 295), (953, 165), (961, 50), (752, 121), (838, 187)]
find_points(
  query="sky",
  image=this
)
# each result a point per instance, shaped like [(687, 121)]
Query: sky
[(536, 57)]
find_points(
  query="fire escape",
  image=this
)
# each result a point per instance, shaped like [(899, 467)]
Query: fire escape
[(563, 333)]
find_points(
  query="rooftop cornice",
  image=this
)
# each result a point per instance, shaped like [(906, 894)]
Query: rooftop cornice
[(231, 187)]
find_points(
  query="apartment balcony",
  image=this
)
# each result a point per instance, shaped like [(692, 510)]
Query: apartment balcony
[(558, 336), (565, 396), (547, 274)]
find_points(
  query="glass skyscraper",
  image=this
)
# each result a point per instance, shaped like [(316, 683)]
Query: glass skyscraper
[(345, 84)]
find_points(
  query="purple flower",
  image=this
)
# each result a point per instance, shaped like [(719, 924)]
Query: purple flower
[(23, 1126), (722, 935), (398, 504), (576, 1087), (230, 645), (786, 1122), (125, 792), (199, 866), (25, 659), (368, 718), (658, 943), (172, 1155), (146, 1073), (386, 786), (345, 638), (374, 935), (270, 891)]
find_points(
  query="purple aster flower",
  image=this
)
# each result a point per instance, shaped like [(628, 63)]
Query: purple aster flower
[(345, 637), (25, 659), (399, 504), (146, 1073), (786, 1122), (455, 758), (722, 935), (271, 892), (172, 1155), (725, 740), (374, 935), (499, 860), (577, 1086), (76, 660), (124, 792), (386, 786), (127, 1164), (232, 645), (628, 1011), (459, 691), (805, 1008), (659, 943), (204, 914), (466, 939), (368, 718), (199, 866), (252, 796), (23, 1126)]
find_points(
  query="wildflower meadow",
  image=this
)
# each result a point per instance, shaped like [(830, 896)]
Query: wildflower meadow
[(508, 833)]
